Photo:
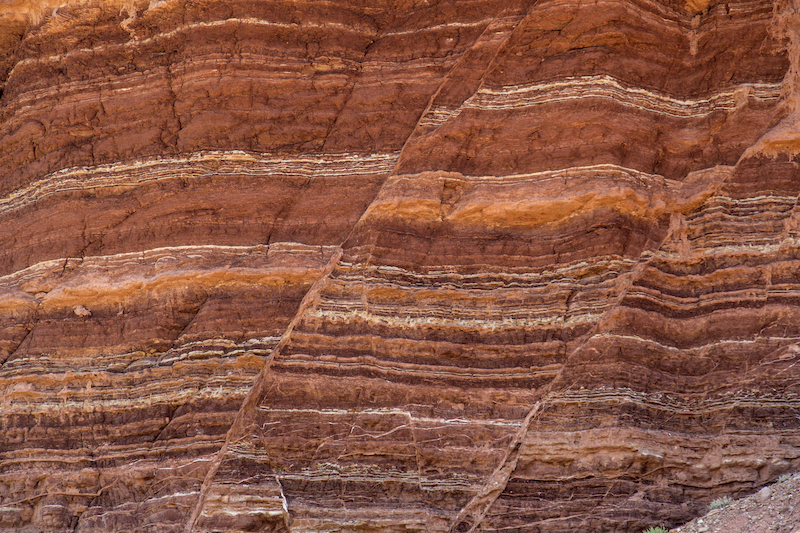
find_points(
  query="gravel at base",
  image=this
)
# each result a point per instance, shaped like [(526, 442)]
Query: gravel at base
[(774, 509)]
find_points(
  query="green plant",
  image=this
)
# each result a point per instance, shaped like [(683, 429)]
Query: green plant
[(785, 477), (719, 503), (656, 529)]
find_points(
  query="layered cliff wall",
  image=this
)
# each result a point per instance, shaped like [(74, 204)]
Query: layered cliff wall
[(395, 266)]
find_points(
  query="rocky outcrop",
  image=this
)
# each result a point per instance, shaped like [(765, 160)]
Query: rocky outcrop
[(771, 509), (395, 266)]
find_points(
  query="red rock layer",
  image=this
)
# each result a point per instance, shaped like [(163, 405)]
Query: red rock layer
[(122, 374), (686, 390), (463, 266), (164, 169)]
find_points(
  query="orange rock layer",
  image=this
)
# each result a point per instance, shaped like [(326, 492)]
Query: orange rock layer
[(395, 266)]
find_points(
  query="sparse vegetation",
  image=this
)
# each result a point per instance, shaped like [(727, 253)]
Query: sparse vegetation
[(785, 477), (656, 529), (719, 503)]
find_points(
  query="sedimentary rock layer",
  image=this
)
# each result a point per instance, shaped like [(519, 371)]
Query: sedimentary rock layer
[(122, 372), (395, 266)]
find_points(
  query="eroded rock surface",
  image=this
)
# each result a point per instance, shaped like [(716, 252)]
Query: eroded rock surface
[(395, 266)]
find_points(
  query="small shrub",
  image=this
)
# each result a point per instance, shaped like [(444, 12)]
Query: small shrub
[(719, 503), (656, 529), (785, 477)]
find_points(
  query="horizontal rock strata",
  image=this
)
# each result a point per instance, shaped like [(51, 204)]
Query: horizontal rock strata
[(121, 375), (395, 266)]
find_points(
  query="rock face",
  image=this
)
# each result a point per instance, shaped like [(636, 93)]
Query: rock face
[(420, 265)]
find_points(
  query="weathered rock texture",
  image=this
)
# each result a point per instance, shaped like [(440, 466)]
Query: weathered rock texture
[(421, 265)]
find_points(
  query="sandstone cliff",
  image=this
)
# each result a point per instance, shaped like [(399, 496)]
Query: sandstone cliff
[(412, 265)]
